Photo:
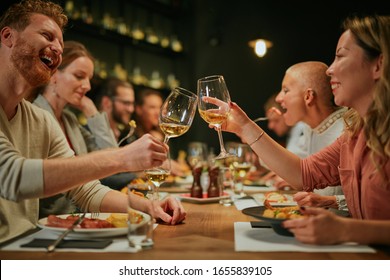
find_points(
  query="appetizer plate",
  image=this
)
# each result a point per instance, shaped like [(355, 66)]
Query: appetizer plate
[(187, 197), (276, 224), (84, 233)]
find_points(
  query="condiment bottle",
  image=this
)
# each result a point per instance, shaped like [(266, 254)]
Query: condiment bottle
[(213, 190), (196, 189)]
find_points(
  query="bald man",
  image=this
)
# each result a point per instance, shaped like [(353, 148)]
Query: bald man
[(306, 96)]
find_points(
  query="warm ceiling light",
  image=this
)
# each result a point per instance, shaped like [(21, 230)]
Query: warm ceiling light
[(260, 46)]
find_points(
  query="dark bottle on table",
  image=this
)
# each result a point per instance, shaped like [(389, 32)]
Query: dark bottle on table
[(213, 190), (196, 189)]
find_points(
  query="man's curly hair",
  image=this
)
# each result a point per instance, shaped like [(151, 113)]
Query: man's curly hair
[(18, 15)]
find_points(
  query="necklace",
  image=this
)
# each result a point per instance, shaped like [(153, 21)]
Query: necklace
[(330, 120)]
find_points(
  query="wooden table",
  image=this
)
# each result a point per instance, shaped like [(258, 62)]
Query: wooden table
[(208, 233)]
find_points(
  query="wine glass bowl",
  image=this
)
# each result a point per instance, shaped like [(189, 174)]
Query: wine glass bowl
[(176, 116), (177, 113), (213, 105), (158, 175)]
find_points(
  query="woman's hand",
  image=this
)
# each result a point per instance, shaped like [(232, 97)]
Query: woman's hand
[(237, 117), (87, 107), (320, 227), (315, 200), (169, 210)]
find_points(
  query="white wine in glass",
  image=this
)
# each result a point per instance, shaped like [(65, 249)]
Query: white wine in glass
[(157, 176), (177, 113), (213, 105), (171, 130), (176, 116)]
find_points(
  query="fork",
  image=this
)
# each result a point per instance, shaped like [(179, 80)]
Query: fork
[(94, 215), (131, 132), (260, 119), (272, 110)]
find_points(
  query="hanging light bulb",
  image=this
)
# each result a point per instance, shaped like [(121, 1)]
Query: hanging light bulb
[(260, 46)]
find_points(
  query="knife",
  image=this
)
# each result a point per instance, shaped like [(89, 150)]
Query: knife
[(52, 247)]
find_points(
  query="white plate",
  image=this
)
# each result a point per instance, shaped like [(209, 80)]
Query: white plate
[(187, 197), (259, 198), (89, 232)]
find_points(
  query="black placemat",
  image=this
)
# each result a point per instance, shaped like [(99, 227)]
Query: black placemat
[(90, 244)]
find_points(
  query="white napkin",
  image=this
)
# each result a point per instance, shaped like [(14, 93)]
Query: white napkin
[(119, 244), (251, 239), (247, 188), (244, 203)]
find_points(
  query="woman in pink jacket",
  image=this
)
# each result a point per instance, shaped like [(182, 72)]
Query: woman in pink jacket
[(359, 159)]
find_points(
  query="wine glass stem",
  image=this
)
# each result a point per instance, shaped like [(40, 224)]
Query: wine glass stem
[(156, 196), (166, 139), (222, 146)]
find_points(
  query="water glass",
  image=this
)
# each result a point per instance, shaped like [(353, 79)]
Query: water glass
[(140, 231), (226, 185)]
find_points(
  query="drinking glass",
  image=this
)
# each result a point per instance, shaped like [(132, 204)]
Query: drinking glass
[(242, 163), (176, 116), (226, 183), (213, 105), (177, 113), (157, 175), (140, 232), (197, 152)]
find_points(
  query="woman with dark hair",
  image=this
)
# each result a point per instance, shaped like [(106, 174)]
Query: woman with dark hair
[(359, 158)]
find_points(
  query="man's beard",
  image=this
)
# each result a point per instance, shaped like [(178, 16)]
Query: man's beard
[(117, 117), (26, 60)]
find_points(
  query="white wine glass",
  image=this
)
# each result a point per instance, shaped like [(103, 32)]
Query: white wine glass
[(157, 175), (176, 116), (177, 113), (213, 105)]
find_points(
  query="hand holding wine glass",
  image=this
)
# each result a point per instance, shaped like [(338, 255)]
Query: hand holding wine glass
[(213, 105), (176, 116)]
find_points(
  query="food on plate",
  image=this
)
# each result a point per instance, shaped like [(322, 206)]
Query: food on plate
[(138, 186), (118, 220), (134, 217), (114, 220), (137, 193), (288, 212), (137, 181), (275, 197), (55, 221)]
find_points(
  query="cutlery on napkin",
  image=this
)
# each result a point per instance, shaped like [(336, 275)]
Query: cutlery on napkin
[(53, 246)]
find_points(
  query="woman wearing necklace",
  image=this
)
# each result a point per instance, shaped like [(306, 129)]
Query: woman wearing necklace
[(68, 86), (359, 159), (306, 96)]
